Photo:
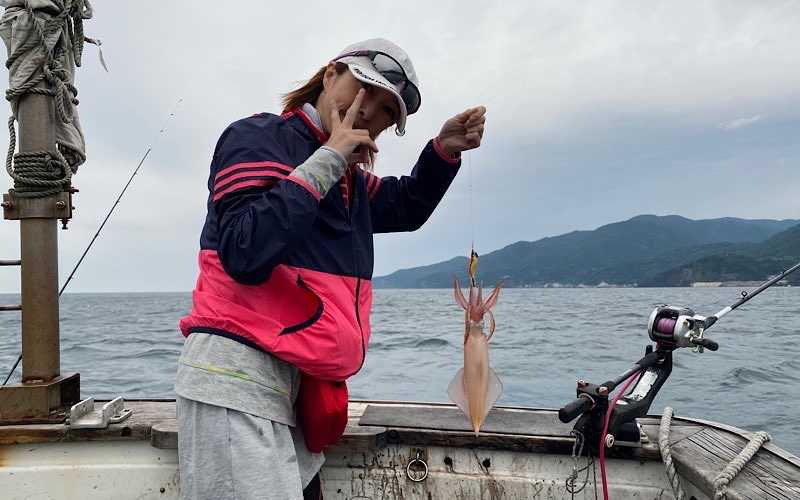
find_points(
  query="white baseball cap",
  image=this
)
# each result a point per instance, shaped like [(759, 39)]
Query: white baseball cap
[(381, 63)]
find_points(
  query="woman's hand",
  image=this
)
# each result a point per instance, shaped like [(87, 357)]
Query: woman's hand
[(463, 131), (344, 138)]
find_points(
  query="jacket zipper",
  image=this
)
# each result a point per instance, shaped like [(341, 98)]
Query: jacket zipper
[(352, 203), (360, 329)]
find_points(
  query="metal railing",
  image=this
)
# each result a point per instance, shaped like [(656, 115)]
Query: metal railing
[(17, 307)]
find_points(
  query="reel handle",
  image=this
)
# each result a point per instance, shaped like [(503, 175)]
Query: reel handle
[(706, 343)]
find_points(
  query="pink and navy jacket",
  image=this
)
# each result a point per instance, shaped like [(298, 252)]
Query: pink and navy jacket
[(289, 273)]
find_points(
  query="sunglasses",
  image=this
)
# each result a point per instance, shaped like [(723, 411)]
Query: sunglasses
[(393, 71)]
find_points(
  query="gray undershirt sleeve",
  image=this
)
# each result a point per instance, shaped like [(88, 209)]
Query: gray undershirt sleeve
[(322, 169)]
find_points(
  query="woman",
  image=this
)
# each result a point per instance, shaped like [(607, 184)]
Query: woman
[(280, 311)]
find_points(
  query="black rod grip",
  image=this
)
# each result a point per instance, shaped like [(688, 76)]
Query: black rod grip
[(708, 344), (574, 409)]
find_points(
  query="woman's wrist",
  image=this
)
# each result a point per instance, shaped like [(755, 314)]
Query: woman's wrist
[(446, 153)]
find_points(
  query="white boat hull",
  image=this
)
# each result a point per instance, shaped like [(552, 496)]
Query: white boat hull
[(138, 460), (129, 470)]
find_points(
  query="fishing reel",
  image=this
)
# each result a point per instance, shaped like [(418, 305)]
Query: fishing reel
[(673, 327)]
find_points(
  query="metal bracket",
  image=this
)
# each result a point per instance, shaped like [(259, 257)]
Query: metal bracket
[(57, 206), (84, 416), (643, 439), (39, 402)]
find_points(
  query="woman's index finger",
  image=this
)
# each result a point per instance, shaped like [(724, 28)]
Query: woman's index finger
[(352, 111)]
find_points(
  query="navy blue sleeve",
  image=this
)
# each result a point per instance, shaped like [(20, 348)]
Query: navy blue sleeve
[(405, 203), (261, 211)]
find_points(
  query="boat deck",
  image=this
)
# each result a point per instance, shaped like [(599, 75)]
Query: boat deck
[(700, 449)]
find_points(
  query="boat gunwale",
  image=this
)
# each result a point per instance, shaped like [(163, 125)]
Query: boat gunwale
[(36, 433)]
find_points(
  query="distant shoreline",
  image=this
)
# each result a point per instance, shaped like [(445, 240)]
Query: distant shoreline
[(727, 284)]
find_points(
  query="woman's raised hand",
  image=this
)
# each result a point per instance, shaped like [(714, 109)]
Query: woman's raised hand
[(344, 138), (463, 131)]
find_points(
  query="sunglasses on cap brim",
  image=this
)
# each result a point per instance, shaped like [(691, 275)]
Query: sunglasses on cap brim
[(389, 68)]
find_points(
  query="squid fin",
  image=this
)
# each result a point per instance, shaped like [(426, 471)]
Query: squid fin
[(456, 392), (494, 391)]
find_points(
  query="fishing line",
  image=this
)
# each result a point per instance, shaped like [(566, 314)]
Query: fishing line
[(469, 154), (471, 213), (153, 142)]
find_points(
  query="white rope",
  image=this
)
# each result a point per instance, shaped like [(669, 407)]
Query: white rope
[(666, 453), (725, 477)]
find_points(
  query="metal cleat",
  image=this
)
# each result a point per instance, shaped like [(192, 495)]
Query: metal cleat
[(84, 415)]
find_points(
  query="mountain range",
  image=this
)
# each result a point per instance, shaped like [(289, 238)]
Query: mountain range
[(647, 250)]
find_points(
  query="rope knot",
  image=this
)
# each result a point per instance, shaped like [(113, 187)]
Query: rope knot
[(723, 480)]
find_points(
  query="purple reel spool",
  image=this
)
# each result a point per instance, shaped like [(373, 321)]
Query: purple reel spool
[(666, 326)]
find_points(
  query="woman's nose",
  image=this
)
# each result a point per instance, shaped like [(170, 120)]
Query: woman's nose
[(367, 109)]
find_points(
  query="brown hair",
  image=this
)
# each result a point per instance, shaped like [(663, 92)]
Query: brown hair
[(310, 91)]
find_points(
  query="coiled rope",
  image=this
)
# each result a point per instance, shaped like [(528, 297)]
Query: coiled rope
[(38, 174)]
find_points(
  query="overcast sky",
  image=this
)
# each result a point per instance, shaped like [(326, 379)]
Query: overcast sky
[(597, 112)]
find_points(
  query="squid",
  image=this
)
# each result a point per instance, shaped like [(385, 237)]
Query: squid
[(476, 387)]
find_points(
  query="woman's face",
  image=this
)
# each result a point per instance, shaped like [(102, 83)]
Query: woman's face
[(378, 109)]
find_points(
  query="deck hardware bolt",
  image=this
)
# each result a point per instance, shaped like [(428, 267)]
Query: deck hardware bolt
[(603, 391), (61, 205), (609, 440), (6, 204)]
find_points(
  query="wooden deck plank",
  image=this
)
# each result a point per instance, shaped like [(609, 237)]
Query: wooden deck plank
[(511, 429), (136, 428), (499, 420)]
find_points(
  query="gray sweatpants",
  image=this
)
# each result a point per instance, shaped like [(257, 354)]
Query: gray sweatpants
[(229, 455)]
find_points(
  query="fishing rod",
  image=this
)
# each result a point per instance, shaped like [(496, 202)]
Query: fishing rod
[(674, 327), (747, 296), (684, 328), (108, 215), (603, 424)]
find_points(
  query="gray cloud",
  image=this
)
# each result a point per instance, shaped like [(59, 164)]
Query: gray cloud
[(740, 123), (597, 112)]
